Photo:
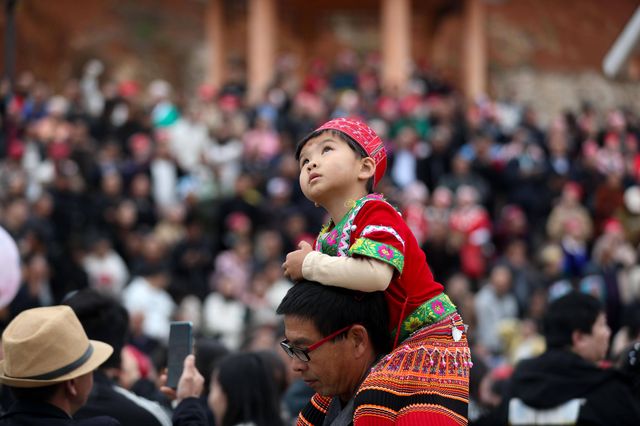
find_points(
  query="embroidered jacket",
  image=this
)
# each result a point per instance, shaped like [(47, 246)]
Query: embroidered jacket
[(373, 228)]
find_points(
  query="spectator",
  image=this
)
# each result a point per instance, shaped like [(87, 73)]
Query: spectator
[(189, 140), (224, 156), (333, 337), (105, 319), (35, 290), (192, 260), (105, 268), (48, 364), (526, 278), (495, 303), (470, 232), (405, 161), (243, 391), (149, 305), (441, 255), (569, 211), (224, 315), (461, 174), (565, 382)]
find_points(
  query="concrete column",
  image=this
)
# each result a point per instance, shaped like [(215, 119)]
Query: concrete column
[(396, 42), (262, 47), (216, 55), (474, 49)]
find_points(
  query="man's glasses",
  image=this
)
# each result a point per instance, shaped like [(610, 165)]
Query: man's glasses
[(303, 354)]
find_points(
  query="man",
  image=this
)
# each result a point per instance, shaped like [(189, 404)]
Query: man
[(103, 318), (48, 365), (333, 336), (565, 385)]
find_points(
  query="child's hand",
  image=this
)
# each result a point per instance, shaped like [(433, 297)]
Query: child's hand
[(293, 264)]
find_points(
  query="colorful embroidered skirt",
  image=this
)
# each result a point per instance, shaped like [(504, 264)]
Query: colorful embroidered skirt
[(424, 381)]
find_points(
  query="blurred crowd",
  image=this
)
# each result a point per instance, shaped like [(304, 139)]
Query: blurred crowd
[(183, 205)]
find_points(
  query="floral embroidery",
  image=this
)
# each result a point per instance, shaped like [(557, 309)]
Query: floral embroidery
[(376, 250), (437, 307), (430, 312), (331, 237), (384, 252), (412, 324)]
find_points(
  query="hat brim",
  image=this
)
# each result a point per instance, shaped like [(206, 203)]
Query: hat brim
[(101, 352)]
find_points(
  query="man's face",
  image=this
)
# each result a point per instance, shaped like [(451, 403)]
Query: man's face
[(593, 347), (332, 369)]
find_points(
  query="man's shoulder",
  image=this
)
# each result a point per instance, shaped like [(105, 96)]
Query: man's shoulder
[(612, 401), (315, 411)]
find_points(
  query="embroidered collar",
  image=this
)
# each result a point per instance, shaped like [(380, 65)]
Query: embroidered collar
[(334, 239)]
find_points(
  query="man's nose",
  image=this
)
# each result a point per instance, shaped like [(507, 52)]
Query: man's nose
[(297, 365)]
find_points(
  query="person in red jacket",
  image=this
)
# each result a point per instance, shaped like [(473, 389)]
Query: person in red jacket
[(367, 246)]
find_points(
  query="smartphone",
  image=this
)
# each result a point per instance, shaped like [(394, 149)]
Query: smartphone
[(180, 345)]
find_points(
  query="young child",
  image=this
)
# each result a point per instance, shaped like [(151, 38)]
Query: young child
[(367, 246)]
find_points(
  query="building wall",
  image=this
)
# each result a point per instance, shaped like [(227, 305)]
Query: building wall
[(164, 38)]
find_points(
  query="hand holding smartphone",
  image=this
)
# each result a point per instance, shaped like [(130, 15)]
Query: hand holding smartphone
[(180, 345)]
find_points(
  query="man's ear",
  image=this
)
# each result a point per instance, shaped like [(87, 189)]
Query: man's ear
[(359, 339), (70, 387), (367, 168), (577, 337)]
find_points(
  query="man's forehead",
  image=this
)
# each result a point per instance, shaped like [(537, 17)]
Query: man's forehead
[(300, 328)]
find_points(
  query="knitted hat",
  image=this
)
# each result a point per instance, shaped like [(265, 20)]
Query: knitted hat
[(363, 135)]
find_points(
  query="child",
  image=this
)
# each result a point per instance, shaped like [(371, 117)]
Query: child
[(367, 246)]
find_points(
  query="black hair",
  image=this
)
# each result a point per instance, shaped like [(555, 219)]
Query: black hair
[(278, 369), (574, 311), (209, 352), (103, 318), (355, 146), (332, 308), (250, 390)]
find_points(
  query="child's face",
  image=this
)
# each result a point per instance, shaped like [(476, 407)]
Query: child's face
[(331, 170)]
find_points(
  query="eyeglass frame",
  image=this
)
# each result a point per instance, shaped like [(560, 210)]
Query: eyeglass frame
[(303, 354)]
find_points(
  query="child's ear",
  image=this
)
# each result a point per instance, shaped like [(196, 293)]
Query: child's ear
[(367, 168)]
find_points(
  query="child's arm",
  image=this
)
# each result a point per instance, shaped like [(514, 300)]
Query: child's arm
[(362, 273)]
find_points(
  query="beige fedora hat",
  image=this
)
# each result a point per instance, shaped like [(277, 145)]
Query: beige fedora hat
[(44, 346)]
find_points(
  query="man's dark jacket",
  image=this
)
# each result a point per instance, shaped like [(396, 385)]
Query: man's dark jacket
[(30, 413), (106, 399)]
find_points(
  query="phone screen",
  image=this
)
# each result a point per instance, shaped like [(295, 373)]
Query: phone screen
[(180, 345)]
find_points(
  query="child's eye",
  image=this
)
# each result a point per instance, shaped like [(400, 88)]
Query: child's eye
[(327, 148), (303, 162)]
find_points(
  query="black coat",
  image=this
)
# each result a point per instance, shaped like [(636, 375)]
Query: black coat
[(558, 376), (106, 398), (30, 413)]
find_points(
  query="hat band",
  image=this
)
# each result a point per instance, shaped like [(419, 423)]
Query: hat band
[(63, 370)]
